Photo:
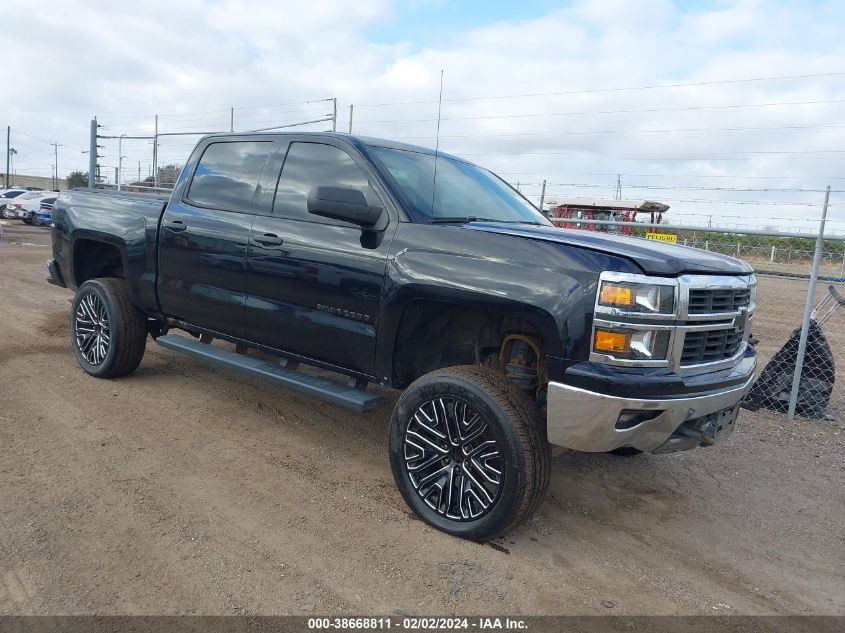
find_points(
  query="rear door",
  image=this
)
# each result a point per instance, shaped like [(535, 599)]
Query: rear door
[(204, 233), (314, 284)]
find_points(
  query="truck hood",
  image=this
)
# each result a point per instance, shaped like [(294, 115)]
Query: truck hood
[(654, 258)]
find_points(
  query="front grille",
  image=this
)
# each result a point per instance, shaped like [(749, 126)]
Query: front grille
[(705, 301), (710, 346)]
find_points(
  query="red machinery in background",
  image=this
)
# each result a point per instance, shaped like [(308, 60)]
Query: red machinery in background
[(578, 212)]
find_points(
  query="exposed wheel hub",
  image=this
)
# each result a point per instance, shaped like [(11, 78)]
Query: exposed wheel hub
[(453, 459)]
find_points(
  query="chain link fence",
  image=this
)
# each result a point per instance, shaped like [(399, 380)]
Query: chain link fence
[(786, 278)]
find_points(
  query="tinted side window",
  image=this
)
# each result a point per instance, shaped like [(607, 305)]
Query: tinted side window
[(227, 174), (309, 165)]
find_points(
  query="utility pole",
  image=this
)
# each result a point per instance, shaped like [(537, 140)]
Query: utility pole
[(139, 172), (542, 195), (120, 158), (8, 152), (56, 147), (334, 114), (155, 155), (618, 194), (232, 120), (350, 117), (92, 155)]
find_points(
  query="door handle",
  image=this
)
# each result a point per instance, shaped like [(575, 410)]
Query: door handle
[(268, 239), (175, 225)]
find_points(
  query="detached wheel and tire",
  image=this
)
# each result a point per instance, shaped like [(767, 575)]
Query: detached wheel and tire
[(467, 453), (107, 332)]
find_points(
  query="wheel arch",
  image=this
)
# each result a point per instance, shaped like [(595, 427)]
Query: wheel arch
[(431, 334), (95, 255)]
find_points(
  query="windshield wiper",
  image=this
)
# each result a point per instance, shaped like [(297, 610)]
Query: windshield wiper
[(463, 219), (457, 219)]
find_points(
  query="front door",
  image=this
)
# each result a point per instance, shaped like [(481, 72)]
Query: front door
[(314, 284)]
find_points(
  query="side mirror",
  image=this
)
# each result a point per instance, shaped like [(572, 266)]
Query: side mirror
[(340, 203)]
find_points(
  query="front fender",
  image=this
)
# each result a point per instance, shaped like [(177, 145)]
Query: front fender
[(550, 286)]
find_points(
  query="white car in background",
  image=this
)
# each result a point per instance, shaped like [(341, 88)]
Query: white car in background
[(26, 203), (7, 196), (31, 208)]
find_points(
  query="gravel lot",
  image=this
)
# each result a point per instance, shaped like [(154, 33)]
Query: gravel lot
[(189, 489)]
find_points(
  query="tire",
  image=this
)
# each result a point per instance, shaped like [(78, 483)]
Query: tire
[(7, 215), (480, 404), (108, 334)]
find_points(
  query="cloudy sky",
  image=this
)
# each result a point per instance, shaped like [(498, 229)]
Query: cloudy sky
[(693, 103)]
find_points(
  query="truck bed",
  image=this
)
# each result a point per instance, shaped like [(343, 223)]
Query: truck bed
[(126, 220)]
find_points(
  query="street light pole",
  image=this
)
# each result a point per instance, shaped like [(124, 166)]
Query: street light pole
[(155, 155), (12, 152), (8, 152), (92, 156), (119, 159)]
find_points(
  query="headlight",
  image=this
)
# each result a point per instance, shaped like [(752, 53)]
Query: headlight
[(630, 344), (634, 297)]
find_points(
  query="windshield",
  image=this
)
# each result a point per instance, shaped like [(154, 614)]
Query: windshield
[(12, 194), (462, 191)]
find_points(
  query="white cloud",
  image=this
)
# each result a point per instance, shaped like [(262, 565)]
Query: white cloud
[(197, 58)]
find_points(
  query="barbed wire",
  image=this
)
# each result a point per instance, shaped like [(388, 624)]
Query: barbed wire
[(680, 175), (740, 202), (679, 187)]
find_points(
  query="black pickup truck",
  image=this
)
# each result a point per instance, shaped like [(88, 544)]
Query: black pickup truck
[(392, 264)]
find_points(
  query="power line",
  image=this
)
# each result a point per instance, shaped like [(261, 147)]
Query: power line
[(33, 136), (595, 112), (276, 105), (621, 89), (552, 133), (177, 114)]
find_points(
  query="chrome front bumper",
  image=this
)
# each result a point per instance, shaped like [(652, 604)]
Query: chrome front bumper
[(587, 421)]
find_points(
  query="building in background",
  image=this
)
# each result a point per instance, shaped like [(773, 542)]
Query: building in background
[(44, 182)]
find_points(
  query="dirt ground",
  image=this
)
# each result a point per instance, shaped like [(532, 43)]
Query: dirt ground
[(189, 489)]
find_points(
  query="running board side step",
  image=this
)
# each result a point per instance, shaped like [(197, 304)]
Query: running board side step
[(344, 395)]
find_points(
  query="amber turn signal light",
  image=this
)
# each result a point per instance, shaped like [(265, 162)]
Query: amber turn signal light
[(616, 295), (615, 342)]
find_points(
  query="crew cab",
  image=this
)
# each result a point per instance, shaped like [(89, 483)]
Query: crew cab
[(397, 265)]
